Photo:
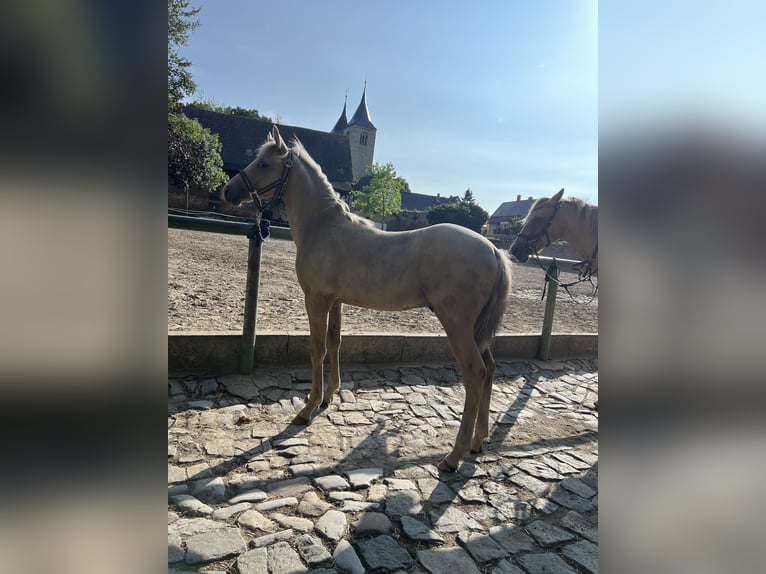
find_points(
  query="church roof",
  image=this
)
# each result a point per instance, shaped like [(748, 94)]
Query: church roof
[(342, 122), (361, 115), (240, 137)]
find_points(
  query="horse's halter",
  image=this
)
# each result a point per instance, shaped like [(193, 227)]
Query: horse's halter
[(531, 241), (255, 194)]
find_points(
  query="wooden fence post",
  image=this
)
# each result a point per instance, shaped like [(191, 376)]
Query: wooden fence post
[(247, 353), (552, 281)]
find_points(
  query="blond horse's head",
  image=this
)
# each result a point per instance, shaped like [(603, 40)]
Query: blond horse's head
[(263, 180), (535, 233)]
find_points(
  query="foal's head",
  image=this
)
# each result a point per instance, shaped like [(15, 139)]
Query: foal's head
[(260, 181), (534, 234)]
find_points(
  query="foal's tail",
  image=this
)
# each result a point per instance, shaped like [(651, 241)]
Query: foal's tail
[(492, 313)]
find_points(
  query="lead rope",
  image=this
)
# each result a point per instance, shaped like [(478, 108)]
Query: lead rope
[(583, 276), (260, 232)]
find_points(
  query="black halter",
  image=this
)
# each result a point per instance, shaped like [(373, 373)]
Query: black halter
[(255, 194), (532, 240)]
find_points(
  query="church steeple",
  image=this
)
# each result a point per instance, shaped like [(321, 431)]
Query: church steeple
[(342, 122), (361, 135), (362, 115)]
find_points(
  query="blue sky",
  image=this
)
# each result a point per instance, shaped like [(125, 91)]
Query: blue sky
[(665, 62), (498, 96)]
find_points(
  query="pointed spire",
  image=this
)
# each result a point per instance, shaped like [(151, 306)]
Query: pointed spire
[(361, 115), (342, 122)]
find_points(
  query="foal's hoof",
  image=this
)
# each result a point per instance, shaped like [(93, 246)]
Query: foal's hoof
[(301, 420), (444, 466), (477, 451)]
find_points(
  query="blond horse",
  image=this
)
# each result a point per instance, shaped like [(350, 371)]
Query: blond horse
[(341, 258), (555, 218)]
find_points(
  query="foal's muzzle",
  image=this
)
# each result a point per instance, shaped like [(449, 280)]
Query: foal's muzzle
[(228, 196)]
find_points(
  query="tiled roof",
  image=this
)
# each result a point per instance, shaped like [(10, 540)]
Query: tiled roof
[(421, 202), (342, 122), (237, 135), (361, 115), (511, 209)]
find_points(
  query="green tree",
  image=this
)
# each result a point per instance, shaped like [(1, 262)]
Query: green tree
[(448, 213), (180, 24), (194, 154), (213, 106), (465, 212), (477, 217), (382, 196), (194, 158), (516, 224)]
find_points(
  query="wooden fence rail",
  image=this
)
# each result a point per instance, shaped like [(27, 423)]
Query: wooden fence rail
[(247, 353)]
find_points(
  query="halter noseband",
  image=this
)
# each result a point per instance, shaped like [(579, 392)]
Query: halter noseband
[(584, 268), (532, 241), (255, 194)]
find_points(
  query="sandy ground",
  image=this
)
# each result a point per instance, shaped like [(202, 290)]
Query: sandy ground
[(206, 291)]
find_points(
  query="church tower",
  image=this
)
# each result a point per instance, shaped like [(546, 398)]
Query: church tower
[(342, 122), (361, 135)]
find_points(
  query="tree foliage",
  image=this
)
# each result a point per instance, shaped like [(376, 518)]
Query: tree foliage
[(194, 155), (213, 106), (511, 227), (465, 212), (180, 24), (382, 196)]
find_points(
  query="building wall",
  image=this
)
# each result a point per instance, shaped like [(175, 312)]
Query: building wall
[(361, 154)]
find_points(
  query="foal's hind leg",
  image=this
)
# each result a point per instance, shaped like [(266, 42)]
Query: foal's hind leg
[(482, 419), (333, 350), (317, 309), (474, 374)]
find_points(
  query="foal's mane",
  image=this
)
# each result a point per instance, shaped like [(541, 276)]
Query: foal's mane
[(334, 201), (583, 210)]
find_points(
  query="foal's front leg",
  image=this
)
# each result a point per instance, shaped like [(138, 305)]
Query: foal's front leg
[(317, 309), (333, 350)]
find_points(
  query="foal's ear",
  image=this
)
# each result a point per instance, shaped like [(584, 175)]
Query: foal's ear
[(556, 198), (278, 139)]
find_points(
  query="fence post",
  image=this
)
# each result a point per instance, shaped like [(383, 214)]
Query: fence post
[(247, 353), (552, 281)]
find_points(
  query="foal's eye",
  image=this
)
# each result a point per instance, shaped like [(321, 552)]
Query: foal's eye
[(262, 164)]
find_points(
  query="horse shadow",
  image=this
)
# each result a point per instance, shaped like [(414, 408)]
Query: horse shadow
[(470, 469)]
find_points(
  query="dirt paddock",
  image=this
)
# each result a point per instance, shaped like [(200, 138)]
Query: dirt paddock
[(206, 292)]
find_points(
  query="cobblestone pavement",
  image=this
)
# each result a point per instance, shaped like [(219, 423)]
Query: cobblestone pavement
[(358, 491)]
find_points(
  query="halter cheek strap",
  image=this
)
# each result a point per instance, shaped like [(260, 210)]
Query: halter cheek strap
[(532, 241), (255, 194)]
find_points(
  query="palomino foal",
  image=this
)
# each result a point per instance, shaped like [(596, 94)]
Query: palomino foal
[(342, 258)]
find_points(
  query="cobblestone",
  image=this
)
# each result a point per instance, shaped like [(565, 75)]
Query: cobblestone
[(383, 554), (417, 531), (358, 490)]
